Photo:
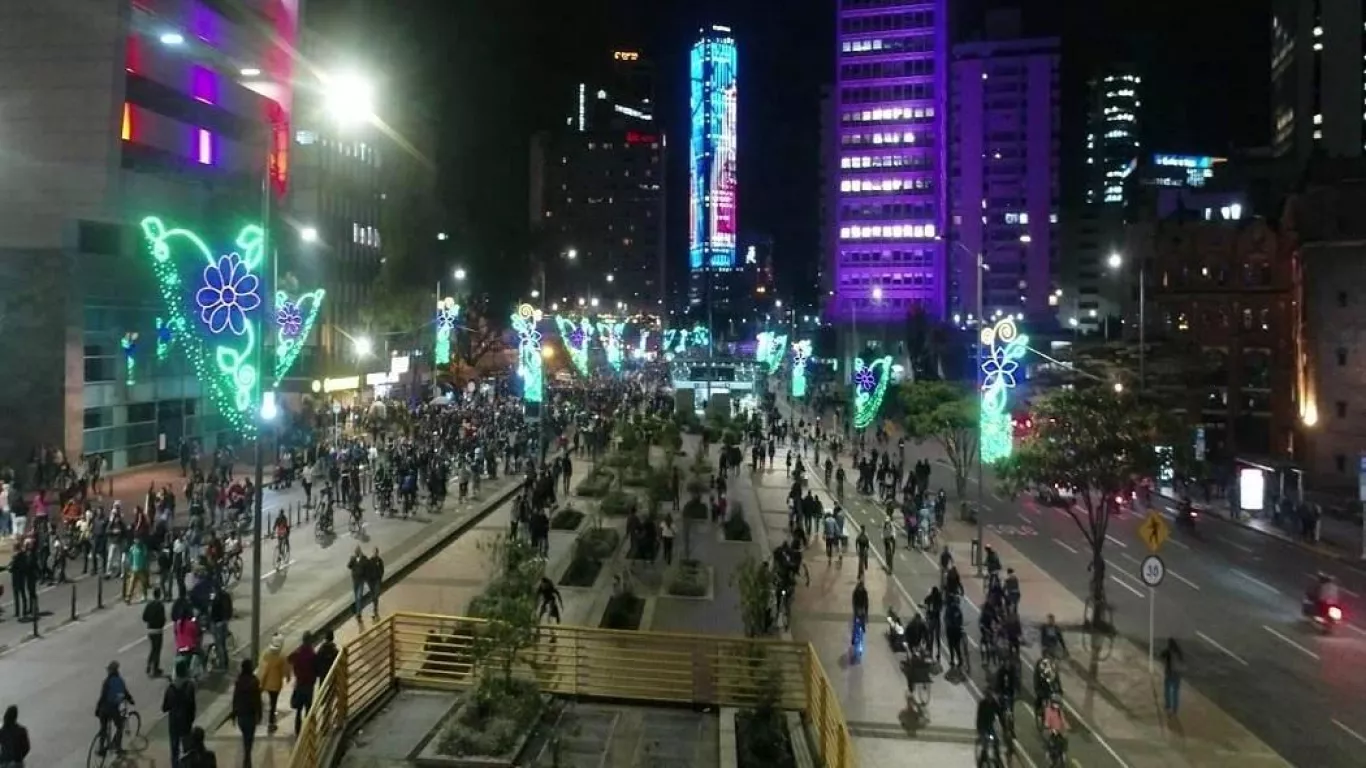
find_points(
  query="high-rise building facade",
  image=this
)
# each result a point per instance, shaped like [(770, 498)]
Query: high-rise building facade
[(1003, 178), (713, 75), (889, 208), (168, 108), (1318, 79), (1095, 229), (597, 190)]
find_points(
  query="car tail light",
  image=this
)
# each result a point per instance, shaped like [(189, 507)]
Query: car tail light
[(1334, 613)]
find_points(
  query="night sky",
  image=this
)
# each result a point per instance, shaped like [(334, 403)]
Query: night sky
[(495, 71)]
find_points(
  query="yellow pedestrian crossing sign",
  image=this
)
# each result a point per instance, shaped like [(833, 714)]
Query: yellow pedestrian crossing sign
[(1154, 530)]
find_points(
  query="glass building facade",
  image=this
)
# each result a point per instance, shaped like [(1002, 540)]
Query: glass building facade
[(889, 186), (713, 76)]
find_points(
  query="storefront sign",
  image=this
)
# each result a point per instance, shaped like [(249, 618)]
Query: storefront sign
[(341, 384)]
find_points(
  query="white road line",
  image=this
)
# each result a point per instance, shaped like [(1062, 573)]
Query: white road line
[(1257, 581), (1349, 731), (1292, 643), (1178, 543), (1212, 642), (1066, 546), (132, 645), (1238, 546), (1357, 629), (1027, 521), (1130, 558), (1116, 542), (274, 571), (1183, 580), (1126, 586)]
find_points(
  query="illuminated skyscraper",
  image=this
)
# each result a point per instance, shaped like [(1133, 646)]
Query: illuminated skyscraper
[(712, 155), (889, 188)]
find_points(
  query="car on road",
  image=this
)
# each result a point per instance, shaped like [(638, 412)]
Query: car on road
[(1055, 495)]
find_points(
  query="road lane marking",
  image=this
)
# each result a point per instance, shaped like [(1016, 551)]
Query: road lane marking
[(1258, 582), (1116, 542), (1178, 543), (1349, 731), (132, 645), (1183, 580), (1294, 644), (1212, 642), (1357, 629), (1238, 546), (1027, 521), (1126, 585), (1066, 546)]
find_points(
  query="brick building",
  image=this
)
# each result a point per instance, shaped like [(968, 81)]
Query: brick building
[(1220, 299)]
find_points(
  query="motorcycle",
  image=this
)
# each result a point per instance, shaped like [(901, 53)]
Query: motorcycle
[(1187, 518), (1325, 618)]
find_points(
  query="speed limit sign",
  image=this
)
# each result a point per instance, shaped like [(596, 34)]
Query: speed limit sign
[(1153, 570)]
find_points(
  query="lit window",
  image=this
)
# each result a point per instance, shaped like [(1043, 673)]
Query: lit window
[(1318, 119), (1318, 46), (1318, 31)]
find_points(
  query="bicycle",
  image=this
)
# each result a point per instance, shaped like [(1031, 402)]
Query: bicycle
[(281, 552), (99, 754), (988, 751), (232, 569), (211, 660), (921, 678), (355, 524)]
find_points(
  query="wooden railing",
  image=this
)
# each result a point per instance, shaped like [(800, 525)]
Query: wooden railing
[(428, 651)]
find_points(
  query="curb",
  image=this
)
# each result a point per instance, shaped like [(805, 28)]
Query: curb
[(219, 711)]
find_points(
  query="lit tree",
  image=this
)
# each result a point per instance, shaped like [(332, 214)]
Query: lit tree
[(946, 413), (1097, 443)]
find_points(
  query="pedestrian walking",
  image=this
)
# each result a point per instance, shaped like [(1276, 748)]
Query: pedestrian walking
[(154, 618), (14, 745), (1173, 667), (18, 575), (666, 535), (274, 672), (374, 578), (179, 705), (246, 707), (357, 566), (197, 754), (304, 663)]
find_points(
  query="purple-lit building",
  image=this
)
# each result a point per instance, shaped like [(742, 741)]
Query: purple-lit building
[(1003, 171), (888, 189)]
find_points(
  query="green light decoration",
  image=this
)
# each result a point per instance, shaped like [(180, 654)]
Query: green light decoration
[(770, 350), (870, 386), (610, 335), (167, 331), (294, 319), (214, 296), (524, 321), (576, 335), (447, 313), (129, 344), (700, 336), (1004, 346), (642, 349), (801, 353)]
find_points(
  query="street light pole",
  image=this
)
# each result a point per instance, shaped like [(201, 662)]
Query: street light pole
[(1142, 322), (981, 309), (258, 501)]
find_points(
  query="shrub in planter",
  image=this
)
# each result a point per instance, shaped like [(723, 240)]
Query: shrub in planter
[(491, 719), (736, 527), (689, 580), (566, 519), (596, 484), (617, 504), (591, 550), (624, 611), (696, 509), (762, 740)]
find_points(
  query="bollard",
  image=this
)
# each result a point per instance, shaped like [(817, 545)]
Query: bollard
[(73, 601), (99, 591)]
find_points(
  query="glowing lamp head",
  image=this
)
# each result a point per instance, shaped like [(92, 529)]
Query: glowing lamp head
[(364, 346), (1334, 613), (269, 410)]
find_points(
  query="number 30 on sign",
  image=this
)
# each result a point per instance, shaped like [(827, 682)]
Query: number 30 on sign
[(1153, 570)]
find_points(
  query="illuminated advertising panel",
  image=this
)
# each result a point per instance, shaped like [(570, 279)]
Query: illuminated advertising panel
[(712, 151)]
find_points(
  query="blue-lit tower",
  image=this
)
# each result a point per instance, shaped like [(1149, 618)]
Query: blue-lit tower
[(712, 159)]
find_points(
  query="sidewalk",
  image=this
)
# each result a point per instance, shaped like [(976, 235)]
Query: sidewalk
[(1340, 539)]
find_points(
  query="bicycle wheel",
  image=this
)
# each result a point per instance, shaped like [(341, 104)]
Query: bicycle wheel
[(95, 757), (132, 726), (922, 694), (235, 568)]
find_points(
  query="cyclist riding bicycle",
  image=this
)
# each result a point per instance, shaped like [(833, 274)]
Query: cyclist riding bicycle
[(1051, 640), (109, 709), (988, 713), (282, 534)]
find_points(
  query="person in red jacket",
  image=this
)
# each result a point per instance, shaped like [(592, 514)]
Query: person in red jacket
[(304, 661)]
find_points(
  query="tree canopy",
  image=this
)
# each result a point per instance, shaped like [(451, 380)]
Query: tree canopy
[(946, 413)]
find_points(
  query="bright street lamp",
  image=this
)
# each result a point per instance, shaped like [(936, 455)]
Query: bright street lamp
[(460, 274), (172, 38), (1026, 239), (877, 293), (611, 278), (349, 98), (363, 346), (309, 234), (442, 236), (1115, 261), (535, 294), (571, 254), (593, 301)]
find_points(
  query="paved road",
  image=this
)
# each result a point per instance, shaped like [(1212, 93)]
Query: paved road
[(1232, 598), (55, 679)]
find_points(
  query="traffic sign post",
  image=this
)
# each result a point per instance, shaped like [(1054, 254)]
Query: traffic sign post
[(1154, 531), (1153, 570)]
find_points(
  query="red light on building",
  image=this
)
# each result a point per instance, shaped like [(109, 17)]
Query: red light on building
[(636, 137)]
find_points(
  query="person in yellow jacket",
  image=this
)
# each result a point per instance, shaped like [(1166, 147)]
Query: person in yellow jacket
[(274, 672)]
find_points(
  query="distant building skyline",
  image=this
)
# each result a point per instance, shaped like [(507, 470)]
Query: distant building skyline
[(713, 78)]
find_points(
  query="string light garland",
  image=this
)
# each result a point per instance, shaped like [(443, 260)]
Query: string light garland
[(870, 386), (529, 366), (213, 297), (610, 336), (167, 331), (1004, 346), (447, 315), (294, 320), (129, 344), (770, 350), (801, 353), (642, 348), (576, 335)]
